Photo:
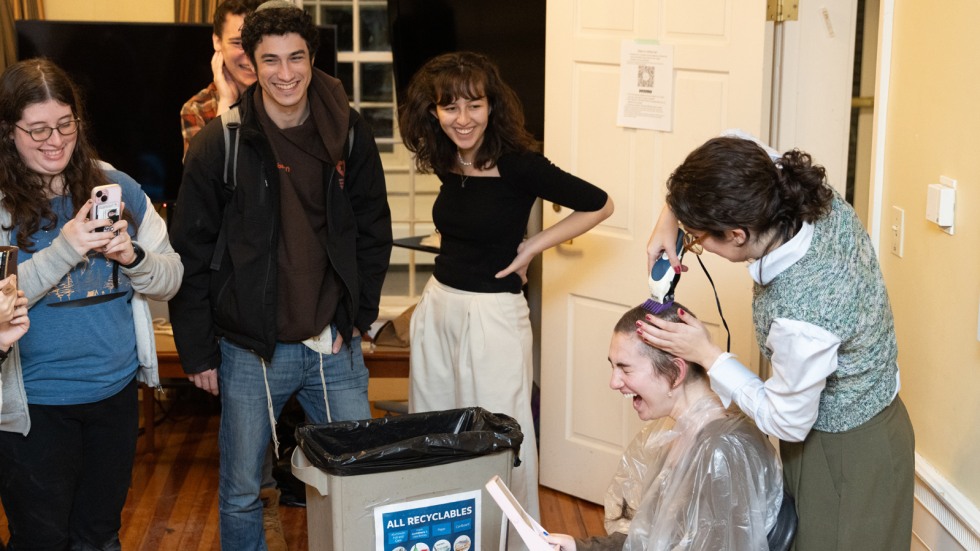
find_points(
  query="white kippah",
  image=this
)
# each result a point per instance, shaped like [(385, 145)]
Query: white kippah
[(277, 4)]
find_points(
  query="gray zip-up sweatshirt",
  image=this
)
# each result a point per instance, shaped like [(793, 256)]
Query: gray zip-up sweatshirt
[(156, 277)]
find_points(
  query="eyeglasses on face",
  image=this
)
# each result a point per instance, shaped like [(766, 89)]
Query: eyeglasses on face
[(42, 133), (692, 243)]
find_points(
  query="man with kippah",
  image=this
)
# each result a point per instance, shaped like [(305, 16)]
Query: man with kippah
[(233, 73), (284, 263)]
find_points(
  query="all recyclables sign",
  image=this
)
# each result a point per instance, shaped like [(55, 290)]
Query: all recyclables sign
[(444, 523)]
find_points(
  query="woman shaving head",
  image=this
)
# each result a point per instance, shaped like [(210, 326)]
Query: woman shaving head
[(740, 202), (828, 338), (660, 385)]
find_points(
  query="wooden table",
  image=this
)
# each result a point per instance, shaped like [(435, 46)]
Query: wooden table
[(382, 362)]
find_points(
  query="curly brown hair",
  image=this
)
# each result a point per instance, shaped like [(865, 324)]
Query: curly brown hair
[(732, 183), (278, 19), (25, 193), (445, 79)]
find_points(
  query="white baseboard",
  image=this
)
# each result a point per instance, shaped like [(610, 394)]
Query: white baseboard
[(944, 519)]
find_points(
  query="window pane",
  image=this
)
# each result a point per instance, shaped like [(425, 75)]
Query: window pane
[(374, 29), (345, 72), (381, 121), (343, 17), (376, 82)]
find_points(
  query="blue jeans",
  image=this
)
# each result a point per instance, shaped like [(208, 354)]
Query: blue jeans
[(245, 430)]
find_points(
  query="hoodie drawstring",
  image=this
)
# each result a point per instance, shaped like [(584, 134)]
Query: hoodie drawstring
[(268, 399), (323, 381)]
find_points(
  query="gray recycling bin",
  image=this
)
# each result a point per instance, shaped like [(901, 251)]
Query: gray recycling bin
[(406, 483)]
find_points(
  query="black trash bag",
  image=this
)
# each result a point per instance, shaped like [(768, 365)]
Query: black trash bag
[(408, 441)]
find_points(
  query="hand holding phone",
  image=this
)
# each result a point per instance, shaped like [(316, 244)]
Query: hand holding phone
[(10, 298), (8, 261), (107, 204)]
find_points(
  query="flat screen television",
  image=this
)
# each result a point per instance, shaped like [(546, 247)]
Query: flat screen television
[(134, 78), (511, 32)]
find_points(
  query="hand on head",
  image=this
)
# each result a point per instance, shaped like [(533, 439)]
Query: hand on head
[(225, 84), (688, 339)]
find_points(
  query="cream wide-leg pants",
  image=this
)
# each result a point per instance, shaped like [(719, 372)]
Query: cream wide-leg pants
[(474, 349)]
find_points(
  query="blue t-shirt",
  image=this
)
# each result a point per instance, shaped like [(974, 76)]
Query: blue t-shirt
[(81, 347)]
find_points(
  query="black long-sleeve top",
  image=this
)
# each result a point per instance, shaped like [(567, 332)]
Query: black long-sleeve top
[(482, 219)]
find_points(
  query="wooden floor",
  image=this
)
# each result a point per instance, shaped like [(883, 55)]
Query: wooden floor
[(173, 501)]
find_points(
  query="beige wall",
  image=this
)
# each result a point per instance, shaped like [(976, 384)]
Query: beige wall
[(147, 11), (933, 129)]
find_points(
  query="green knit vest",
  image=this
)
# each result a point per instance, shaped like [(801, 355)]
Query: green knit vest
[(838, 286)]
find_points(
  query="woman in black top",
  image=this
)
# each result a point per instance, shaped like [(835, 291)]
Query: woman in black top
[(471, 334)]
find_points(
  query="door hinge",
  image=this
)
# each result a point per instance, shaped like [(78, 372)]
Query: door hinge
[(782, 10)]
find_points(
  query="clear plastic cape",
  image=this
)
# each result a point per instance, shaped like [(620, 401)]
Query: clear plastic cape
[(706, 482)]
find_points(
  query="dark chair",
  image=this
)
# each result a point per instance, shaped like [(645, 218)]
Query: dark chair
[(781, 536)]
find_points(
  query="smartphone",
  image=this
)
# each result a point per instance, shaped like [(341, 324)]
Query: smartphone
[(106, 204), (8, 261)]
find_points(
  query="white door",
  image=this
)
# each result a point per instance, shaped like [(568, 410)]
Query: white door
[(728, 65), (812, 94), (720, 81)]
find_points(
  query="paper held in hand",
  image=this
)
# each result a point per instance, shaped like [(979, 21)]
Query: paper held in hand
[(530, 531)]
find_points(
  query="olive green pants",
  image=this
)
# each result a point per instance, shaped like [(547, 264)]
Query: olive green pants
[(853, 490)]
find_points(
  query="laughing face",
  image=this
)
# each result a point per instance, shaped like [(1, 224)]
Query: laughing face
[(285, 70), (230, 46), (465, 122), (635, 377), (49, 157)]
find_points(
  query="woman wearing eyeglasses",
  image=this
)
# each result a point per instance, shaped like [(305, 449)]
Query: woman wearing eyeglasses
[(69, 418), (822, 318)]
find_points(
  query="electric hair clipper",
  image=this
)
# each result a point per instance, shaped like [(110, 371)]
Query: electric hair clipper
[(663, 280)]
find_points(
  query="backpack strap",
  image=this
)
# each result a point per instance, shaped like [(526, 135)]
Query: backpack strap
[(230, 123), (231, 120)]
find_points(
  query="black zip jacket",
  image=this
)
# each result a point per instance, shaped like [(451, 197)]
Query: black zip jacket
[(238, 301)]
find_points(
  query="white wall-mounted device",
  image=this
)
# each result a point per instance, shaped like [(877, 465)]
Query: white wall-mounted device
[(940, 204)]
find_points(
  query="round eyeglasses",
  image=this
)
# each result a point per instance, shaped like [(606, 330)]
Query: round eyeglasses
[(42, 133), (692, 243)]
